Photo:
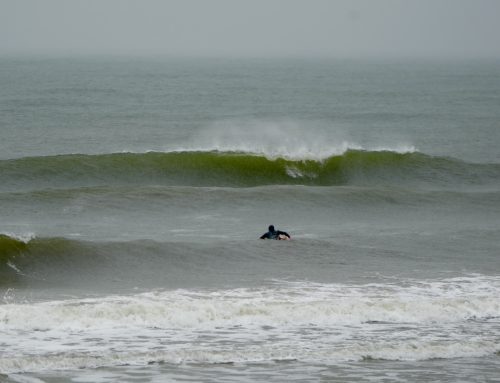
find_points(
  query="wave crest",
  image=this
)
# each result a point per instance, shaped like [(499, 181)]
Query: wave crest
[(241, 169)]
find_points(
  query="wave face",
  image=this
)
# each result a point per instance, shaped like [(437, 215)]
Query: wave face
[(236, 169)]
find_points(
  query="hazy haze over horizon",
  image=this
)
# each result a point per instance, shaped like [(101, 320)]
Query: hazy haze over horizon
[(324, 28)]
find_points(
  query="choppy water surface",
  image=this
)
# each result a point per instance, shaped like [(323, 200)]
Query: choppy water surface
[(133, 193)]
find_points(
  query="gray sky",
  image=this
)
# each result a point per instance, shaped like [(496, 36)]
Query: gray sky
[(338, 28)]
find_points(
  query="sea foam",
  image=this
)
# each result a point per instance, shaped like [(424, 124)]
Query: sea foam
[(288, 139), (302, 303), (408, 320)]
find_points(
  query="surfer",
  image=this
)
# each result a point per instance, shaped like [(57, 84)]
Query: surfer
[(275, 234)]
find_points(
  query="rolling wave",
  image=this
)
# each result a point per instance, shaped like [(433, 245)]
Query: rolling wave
[(16, 253), (95, 266), (91, 265), (62, 261), (238, 169)]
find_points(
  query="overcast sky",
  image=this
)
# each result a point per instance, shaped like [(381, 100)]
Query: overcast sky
[(331, 28)]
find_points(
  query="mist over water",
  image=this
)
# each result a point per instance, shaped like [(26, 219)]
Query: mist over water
[(278, 28), (273, 139)]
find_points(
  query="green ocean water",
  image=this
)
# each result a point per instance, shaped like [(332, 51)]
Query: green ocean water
[(133, 192)]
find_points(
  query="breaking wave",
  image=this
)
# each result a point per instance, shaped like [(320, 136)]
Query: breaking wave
[(240, 169), (322, 322)]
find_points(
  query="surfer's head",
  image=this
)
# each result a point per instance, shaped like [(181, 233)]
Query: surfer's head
[(271, 227)]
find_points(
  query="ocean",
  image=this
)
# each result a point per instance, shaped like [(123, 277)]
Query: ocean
[(133, 192)]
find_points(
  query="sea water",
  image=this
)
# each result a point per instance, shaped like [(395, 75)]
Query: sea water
[(133, 192)]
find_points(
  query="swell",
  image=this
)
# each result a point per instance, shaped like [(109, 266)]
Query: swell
[(67, 262), (151, 198), (123, 266), (235, 169), (103, 266), (22, 260)]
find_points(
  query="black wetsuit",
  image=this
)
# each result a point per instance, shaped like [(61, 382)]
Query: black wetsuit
[(274, 234)]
